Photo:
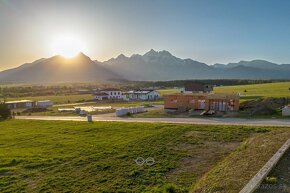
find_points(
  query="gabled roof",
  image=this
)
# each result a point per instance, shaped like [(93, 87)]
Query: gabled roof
[(101, 94), (110, 89), (20, 101)]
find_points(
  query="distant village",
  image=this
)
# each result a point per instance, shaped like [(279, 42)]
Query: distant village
[(197, 98)]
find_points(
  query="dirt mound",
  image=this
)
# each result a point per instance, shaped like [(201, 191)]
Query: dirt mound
[(264, 106)]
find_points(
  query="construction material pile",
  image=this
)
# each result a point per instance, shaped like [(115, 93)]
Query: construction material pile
[(264, 106), (130, 110)]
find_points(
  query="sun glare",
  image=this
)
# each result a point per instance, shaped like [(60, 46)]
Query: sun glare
[(67, 46)]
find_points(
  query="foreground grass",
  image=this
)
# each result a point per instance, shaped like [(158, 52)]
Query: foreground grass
[(279, 89), (63, 156)]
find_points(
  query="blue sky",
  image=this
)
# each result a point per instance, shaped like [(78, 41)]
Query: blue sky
[(210, 31)]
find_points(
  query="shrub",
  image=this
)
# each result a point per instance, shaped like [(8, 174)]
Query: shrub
[(271, 180), (5, 112)]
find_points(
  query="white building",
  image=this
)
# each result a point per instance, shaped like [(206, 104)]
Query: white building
[(44, 103), (108, 94), (101, 96), (143, 95), (286, 111), (22, 104)]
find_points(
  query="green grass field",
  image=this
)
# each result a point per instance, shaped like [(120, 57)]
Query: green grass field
[(57, 99), (64, 156), (280, 89)]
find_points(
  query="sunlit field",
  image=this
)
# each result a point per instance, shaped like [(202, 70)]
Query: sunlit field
[(63, 156), (280, 89)]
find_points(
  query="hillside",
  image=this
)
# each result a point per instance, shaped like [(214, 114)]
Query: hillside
[(57, 69)]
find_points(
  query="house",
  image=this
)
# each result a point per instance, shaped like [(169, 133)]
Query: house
[(192, 87), (202, 101), (44, 103), (286, 111), (108, 94), (142, 95), (21, 104), (101, 96)]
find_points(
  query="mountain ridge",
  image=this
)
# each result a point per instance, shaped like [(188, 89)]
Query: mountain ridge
[(153, 65)]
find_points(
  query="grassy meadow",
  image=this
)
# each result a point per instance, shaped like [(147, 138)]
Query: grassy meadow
[(279, 89), (67, 156)]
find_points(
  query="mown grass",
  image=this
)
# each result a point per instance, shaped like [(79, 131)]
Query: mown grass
[(253, 91), (64, 156)]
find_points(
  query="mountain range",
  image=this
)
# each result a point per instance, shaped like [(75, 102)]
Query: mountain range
[(153, 65)]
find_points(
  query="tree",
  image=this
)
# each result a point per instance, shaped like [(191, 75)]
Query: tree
[(5, 112)]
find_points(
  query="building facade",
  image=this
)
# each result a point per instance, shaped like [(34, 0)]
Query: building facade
[(142, 95), (101, 96), (22, 104), (192, 87), (108, 94), (44, 103), (202, 101)]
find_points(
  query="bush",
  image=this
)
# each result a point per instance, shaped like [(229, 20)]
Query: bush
[(5, 112), (271, 180)]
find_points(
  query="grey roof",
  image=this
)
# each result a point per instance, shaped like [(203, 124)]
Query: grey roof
[(140, 91), (101, 94), (20, 101)]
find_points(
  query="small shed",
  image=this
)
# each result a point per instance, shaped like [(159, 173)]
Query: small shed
[(44, 103), (21, 104)]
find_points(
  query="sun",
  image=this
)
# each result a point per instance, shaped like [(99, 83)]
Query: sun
[(67, 46)]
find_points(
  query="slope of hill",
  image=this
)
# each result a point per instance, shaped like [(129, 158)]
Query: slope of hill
[(58, 68)]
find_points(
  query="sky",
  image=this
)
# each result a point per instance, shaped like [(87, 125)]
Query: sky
[(210, 31)]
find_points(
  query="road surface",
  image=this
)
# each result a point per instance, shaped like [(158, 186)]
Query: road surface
[(200, 121)]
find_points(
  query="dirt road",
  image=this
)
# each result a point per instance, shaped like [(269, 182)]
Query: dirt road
[(201, 121)]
